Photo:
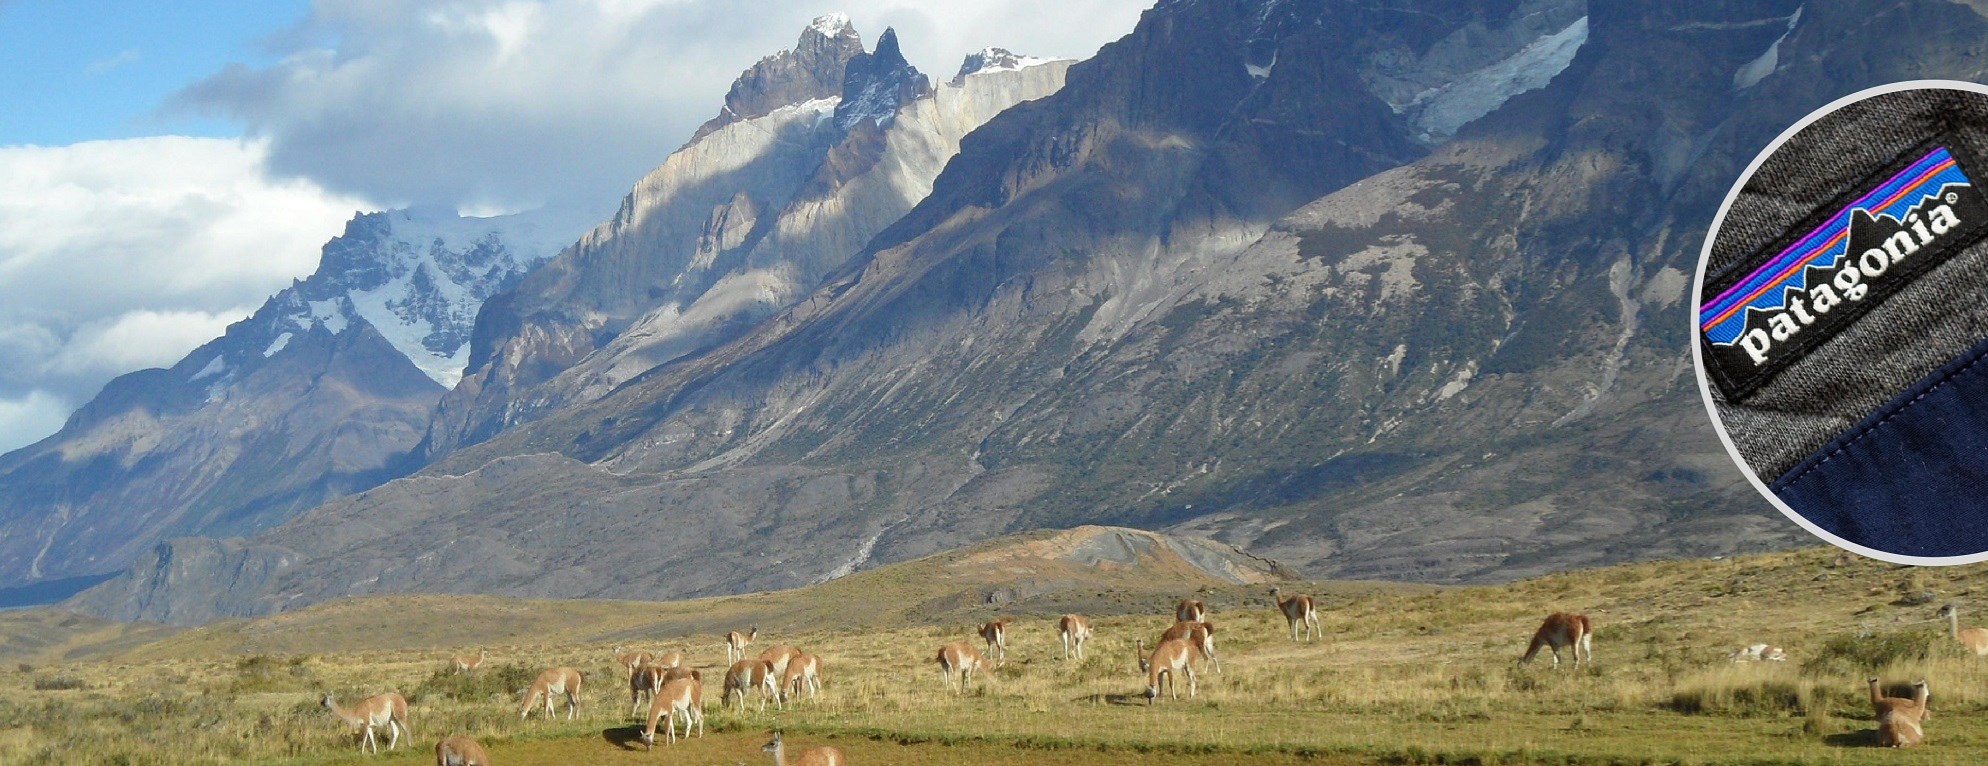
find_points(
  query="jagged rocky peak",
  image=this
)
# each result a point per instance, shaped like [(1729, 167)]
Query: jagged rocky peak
[(813, 69), (993, 60), (879, 82)]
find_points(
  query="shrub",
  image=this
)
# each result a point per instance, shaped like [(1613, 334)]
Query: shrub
[(60, 683), (1847, 654), (502, 682)]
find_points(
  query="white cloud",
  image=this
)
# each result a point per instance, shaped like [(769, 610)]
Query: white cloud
[(515, 103), (120, 255), (139, 339), (26, 419)]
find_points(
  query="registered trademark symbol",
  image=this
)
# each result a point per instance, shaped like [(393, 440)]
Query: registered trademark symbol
[(1952, 198)]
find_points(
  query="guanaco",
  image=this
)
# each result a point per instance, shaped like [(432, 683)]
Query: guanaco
[(1758, 653), (959, 657), (550, 683), (1200, 634), (459, 750), (803, 675), (1564, 629), (679, 700), (388, 710), (1297, 610), (778, 657), (1975, 639), (735, 643), (1899, 719), (646, 681), (631, 660), (746, 675), (1190, 610), (466, 663), (1074, 630), (1168, 660), (668, 660), (996, 635), (820, 756)]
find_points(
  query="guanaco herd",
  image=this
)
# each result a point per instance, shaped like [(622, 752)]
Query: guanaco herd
[(781, 674)]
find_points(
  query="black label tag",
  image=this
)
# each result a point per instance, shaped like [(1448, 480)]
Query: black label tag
[(1773, 308)]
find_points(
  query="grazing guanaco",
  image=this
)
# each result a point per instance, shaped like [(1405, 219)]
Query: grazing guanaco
[(778, 657), (735, 643), (550, 683), (1190, 610), (459, 750), (820, 756), (996, 635), (679, 700), (1899, 719), (631, 660), (466, 663), (959, 657), (388, 710), (1297, 610), (746, 675), (667, 660), (1758, 653), (803, 675), (1168, 660), (1200, 634), (646, 681), (1564, 629), (1074, 630), (1975, 639)]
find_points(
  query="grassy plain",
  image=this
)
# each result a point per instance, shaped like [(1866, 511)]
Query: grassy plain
[(1405, 675)]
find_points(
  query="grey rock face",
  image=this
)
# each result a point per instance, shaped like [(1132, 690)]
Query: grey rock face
[(735, 226)]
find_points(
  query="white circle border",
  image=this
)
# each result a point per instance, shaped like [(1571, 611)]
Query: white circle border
[(1698, 298)]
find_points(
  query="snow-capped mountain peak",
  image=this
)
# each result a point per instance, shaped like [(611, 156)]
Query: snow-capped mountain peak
[(991, 59)]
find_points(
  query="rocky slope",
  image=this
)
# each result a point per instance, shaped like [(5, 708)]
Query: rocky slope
[(817, 149), (1227, 280), (314, 396)]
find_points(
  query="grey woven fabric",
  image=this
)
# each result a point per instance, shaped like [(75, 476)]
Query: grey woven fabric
[(1932, 320)]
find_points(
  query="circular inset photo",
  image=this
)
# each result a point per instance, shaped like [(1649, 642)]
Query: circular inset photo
[(1842, 322)]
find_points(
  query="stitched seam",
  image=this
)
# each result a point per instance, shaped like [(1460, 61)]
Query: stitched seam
[(1791, 481)]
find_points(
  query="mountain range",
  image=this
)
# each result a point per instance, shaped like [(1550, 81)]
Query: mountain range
[(1370, 292)]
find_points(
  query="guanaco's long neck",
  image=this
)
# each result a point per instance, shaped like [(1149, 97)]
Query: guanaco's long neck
[(1953, 624), (1876, 697), (780, 754)]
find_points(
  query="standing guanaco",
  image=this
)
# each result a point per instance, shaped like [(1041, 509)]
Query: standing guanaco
[(459, 750), (959, 657), (1168, 660), (1190, 610), (735, 643), (388, 710), (746, 675), (1564, 629), (466, 663), (996, 635), (1975, 639), (679, 700), (553, 682), (1297, 610), (1899, 719), (1074, 630), (1200, 634), (820, 756), (644, 683)]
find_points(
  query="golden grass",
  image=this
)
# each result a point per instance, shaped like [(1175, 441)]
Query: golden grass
[(1404, 675)]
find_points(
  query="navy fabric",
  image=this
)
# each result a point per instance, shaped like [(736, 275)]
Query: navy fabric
[(1912, 477)]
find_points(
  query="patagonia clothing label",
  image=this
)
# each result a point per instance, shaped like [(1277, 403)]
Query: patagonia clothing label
[(1770, 310)]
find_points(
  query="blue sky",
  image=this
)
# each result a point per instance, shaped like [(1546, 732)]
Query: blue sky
[(77, 71), (165, 167)]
